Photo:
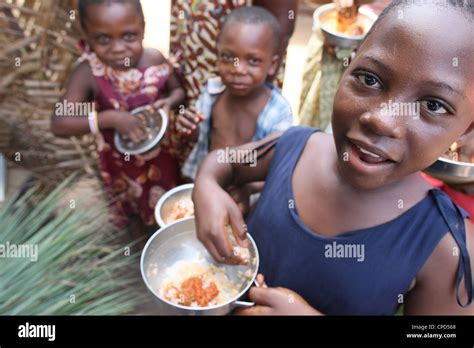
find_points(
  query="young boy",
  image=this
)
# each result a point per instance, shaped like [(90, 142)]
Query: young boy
[(239, 105)]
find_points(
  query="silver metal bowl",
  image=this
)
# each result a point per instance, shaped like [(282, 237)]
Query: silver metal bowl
[(334, 38), (155, 120), (166, 203), (452, 172), (178, 242)]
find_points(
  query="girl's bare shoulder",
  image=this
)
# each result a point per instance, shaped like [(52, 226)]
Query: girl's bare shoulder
[(152, 56), (321, 143), (435, 291)]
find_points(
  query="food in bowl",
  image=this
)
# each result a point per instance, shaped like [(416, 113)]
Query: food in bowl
[(175, 205), (174, 255), (358, 27), (183, 208), (453, 154), (197, 284), (151, 127), (155, 123), (453, 168), (347, 33)]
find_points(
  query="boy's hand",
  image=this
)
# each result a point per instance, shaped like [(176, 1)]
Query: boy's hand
[(188, 121), (175, 59), (214, 209), (127, 125), (276, 301)]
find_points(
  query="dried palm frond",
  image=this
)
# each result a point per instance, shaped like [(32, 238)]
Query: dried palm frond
[(37, 53), (82, 266)]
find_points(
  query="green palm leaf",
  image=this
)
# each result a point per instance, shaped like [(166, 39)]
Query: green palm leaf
[(81, 266)]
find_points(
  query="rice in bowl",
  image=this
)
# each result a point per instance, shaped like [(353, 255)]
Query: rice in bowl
[(197, 284)]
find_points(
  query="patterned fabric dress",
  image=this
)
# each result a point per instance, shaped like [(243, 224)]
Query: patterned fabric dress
[(195, 26), (133, 183)]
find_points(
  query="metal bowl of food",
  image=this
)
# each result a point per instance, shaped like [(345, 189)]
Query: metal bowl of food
[(451, 171), (185, 280), (156, 124), (174, 205), (325, 18)]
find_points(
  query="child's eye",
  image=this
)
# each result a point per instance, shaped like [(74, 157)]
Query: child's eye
[(226, 57), (434, 106), (129, 37), (103, 40), (369, 80), (254, 61)]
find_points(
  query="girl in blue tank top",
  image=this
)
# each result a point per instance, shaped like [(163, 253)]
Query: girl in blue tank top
[(345, 224)]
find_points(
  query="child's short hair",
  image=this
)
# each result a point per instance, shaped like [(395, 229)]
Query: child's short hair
[(466, 6), (83, 4), (255, 15)]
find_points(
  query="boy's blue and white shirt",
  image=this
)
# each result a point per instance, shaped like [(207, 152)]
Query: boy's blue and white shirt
[(276, 116)]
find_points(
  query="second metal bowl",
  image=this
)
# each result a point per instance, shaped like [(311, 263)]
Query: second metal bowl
[(155, 120), (166, 203), (327, 12), (452, 172)]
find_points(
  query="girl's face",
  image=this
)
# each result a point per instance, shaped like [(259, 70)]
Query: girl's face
[(406, 97), (115, 33)]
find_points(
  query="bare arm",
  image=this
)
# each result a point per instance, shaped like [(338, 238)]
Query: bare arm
[(435, 291), (214, 207), (226, 174), (78, 90)]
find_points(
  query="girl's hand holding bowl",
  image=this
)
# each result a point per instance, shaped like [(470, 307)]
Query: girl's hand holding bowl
[(127, 125), (275, 301)]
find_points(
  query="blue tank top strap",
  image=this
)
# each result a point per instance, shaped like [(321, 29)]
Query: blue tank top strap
[(454, 217), (291, 144)]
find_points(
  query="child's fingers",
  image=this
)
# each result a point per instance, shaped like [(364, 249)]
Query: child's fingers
[(186, 124), (255, 310), (195, 113), (261, 281), (138, 134), (262, 296), (159, 104), (135, 136), (213, 251), (140, 130), (193, 116), (265, 296), (239, 228), (222, 244)]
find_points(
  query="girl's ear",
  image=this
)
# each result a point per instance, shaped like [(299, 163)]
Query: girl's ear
[(274, 65)]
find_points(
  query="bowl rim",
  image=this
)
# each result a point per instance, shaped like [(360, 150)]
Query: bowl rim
[(232, 300), (331, 6), (152, 144), (456, 163), (162, 200)]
